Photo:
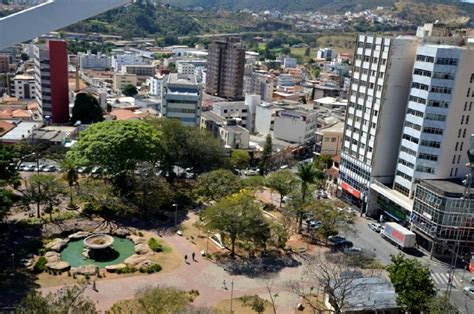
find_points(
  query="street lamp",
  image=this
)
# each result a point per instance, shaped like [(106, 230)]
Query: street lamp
[(207, 242), (175, 215)]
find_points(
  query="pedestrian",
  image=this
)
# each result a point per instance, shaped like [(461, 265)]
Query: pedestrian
[(194, 256), (186, 258), (224, 285), (94, 287)]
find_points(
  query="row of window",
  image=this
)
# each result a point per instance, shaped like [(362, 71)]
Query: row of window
[(430, 130), (435, 117), (425, 169), (404, 175), (433, 144), (462, 132), (456, 157), (468, 106), (466, 120), (434, 89), (406, 163), (428, 157), (413, 125), (445, 61), (415, 113)]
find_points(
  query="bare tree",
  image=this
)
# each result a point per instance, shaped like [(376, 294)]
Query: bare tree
[(273, 296), (332, 274)]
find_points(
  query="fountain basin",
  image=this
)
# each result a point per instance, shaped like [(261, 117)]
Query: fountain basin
[(98, 241)]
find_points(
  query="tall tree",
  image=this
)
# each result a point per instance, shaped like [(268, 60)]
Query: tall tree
[(86, 109), (266, 155), (214, 185), (8, 177), (43, 191), (66, 300), (117, 146), (307, 175), (240, 159), (129, 90), (238, 217), (71, 177), (282, 181), (412, 282)]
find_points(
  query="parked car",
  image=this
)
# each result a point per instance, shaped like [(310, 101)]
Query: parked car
[(28, 168), (313, 224), (374, 226), (342, 245), (353, 250), (83, 170), (285, 199), (96, 170), (336, 238), (469, 290), (49, 169)]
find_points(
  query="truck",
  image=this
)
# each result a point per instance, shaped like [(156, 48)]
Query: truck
[(399, 235)]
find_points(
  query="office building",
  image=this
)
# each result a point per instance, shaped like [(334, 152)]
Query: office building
[(23, 87), (51, 75), (327, 54), (97, 61), (121, 80), (156, 86), (139, 69), (181, 99), (295, 126), (438, 118), (290, 62), (225, 69), (228, 130), (381, 81), (236, 110), (119, 60), (285, 80)]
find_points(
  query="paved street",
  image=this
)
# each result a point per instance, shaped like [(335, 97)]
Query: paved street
[(367, 239)]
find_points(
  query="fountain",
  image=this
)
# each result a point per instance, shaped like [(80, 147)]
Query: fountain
[(98, 241)]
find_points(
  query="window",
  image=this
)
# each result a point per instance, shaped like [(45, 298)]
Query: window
[(433, 144), (413, 125), (441, 89), (410, 138), (422, 72), (443, 76), (438, 104), (456, 147), (435, 117), (403, 175), (424, 58), (425, 169), (459, 158), (447, 61), (454, 160), (459, 133), (467, 119), (415, 113), (464, 133), (406, 163), (428, 157), (408, 151), (417, 100), (461, 147), (419, 86), (435, 131)]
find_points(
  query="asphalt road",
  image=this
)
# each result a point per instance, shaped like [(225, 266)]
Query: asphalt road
[(365, 238)]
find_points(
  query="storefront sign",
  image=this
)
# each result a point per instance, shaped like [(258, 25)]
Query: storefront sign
[(350, 189)]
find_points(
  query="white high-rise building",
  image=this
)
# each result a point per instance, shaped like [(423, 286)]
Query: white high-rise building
[(94, 61), (376, 112), (118, 61), (438, 119)]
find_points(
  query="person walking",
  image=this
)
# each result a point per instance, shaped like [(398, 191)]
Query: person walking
[(194, 256), (186, 259)]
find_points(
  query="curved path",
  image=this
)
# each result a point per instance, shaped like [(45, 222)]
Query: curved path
[(202, 275)]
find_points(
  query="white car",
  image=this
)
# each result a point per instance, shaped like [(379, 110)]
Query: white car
[(374, 226), (469, 290)]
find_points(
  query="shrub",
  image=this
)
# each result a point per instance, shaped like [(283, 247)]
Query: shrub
[(154, 268), (154, 245), (126, 270), (40, 265)]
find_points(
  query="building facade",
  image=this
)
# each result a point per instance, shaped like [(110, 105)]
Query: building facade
[(4, 63), (51, 75), (295, 126), (97, 61), (237, 110), (225, 69), (181, 99), (139, 69), (23, 87), (122, 80), (329, 140), (119, 60), (375, 114), (437, 122)]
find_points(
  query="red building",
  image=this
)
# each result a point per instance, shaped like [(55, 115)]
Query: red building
[(52, 81)]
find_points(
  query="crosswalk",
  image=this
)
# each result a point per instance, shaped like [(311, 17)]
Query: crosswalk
[(441, 280)]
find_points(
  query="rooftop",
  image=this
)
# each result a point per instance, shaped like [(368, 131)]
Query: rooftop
[(335, 128), (448, 188), (182, 79)]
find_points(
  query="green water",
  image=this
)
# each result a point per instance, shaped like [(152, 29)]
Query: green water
[(73, 253)]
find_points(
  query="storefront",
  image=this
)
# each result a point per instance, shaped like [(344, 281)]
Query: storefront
[(392, 211)]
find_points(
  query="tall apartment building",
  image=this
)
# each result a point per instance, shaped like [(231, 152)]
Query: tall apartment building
[(438, 121), (52, 90), (119, 60), (225, 69), (181, 99), (4, 63), (23, 87), (375, 114)]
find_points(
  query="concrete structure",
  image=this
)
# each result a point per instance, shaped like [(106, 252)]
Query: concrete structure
[(4, 63), (331, 103), (327, 54), (156, 85), (290, 62), (23, 87), (225, 69), (181, 99), (375, 114), (441, 216), (139, 69), (119, 60), (259, 84), (236, 110), (97, 61), (265, 114), (122, 80), (51, 75), (251, 102), (295, 126), (50, 16), (437, 122), (329, 140), (285, 80), (231, 133)]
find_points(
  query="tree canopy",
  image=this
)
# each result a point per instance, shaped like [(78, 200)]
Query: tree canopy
[(117, 146), (412, 282), (86, 109), (282, 181), (129, 90), (216, 184), (240, 159)]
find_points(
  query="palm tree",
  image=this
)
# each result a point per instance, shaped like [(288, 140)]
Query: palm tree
[(71, 176), (307, 174)]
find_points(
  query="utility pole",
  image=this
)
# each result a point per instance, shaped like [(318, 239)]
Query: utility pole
[(231, 296)]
